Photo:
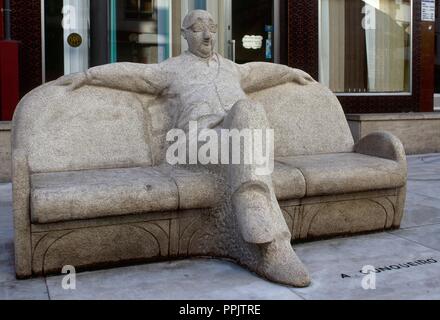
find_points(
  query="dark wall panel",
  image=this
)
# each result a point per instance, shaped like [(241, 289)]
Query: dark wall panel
[(26, 27), (303, 35)]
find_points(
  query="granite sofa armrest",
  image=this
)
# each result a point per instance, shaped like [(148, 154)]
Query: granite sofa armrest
[(383, 145), (20, 200)]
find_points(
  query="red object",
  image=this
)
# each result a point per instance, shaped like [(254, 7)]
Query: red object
[(9, 78)]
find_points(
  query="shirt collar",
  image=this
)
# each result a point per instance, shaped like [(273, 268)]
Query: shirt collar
[(213, 59)]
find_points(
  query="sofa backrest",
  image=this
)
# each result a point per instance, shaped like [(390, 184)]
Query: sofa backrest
[(96, 128), (89, 128), (306, 119)]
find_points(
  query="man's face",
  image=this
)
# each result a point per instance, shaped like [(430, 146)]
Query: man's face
[(201, 35)]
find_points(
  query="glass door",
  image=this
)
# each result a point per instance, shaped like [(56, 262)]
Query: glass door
[(143, 31), (75, 23), (80, 34), (252, 30)]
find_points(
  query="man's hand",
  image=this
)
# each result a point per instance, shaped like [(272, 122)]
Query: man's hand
[(301, 77), (257, 76), (73, 81)]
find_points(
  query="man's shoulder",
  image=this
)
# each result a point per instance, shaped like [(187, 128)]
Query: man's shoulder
[(225, 60), (228, 64), (173, 62)]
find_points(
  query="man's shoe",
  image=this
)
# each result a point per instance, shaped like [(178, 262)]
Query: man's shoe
[(280, 264)]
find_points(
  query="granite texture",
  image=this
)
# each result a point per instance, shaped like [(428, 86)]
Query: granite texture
[(100, 193), (417, 131), (339, 173), (91, 189), (307, 121)]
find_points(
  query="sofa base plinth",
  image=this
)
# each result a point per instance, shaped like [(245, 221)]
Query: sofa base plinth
[(128, 240), (111, 242), (317, 218)]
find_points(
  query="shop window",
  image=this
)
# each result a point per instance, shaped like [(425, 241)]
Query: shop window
[(80, 34), (143, 31), (365, 46)]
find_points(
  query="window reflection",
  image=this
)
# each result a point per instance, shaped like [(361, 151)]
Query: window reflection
[(365, 46), (143, 32)]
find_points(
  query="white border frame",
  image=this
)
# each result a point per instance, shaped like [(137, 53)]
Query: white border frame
[(369, 94)]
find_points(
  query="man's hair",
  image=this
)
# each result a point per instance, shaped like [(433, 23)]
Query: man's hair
[(188, 20)]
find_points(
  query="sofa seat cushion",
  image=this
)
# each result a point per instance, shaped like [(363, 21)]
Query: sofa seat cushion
[(76, 195), (288, 182), (89, 194), (329, 174)]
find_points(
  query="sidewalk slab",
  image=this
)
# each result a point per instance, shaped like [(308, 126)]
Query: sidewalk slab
[(5, 192), (34, 289), (196, 279), (428, 236), (420, 210), (7, 270), (335, 267)]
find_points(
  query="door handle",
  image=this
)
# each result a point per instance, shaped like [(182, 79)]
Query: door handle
[(232, 43)]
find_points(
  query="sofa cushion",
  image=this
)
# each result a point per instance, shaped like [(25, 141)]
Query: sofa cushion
[(96, 193), (328, 174), (307, 120), (84, 129), (288, 182), (76, 195)]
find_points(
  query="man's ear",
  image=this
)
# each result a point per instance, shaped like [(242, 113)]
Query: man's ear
[(183, 32)]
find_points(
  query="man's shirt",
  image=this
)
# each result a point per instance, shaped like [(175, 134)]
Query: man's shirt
[(202, 90)]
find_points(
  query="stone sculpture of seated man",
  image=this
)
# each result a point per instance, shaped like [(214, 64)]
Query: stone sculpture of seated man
[(207, 88)]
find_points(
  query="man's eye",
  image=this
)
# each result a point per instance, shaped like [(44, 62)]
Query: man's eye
[(197, 28), (200, 28)]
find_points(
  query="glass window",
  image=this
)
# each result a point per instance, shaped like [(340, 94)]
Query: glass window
[(253, 30), (365, 46), (142, 31), (80, 34)]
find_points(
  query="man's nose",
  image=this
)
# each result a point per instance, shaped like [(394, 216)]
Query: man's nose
[(207, 35)]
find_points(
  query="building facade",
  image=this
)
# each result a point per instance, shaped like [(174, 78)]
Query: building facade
[(378, 56)]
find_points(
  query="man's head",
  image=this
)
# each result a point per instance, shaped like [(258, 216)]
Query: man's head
[(200, 30)]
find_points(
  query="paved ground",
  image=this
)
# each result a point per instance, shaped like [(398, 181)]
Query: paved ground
[(409, 259)]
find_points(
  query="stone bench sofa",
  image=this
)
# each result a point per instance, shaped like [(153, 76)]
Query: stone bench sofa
[(89, 189)]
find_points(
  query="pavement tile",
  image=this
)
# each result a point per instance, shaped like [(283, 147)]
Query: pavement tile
[(428, 236), (196, 279), (34, 289), (420, 210), (5, 192), (329, 260), (7, 271)]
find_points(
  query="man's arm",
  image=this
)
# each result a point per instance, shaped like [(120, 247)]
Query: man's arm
[(262, 75), (134, 77)]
